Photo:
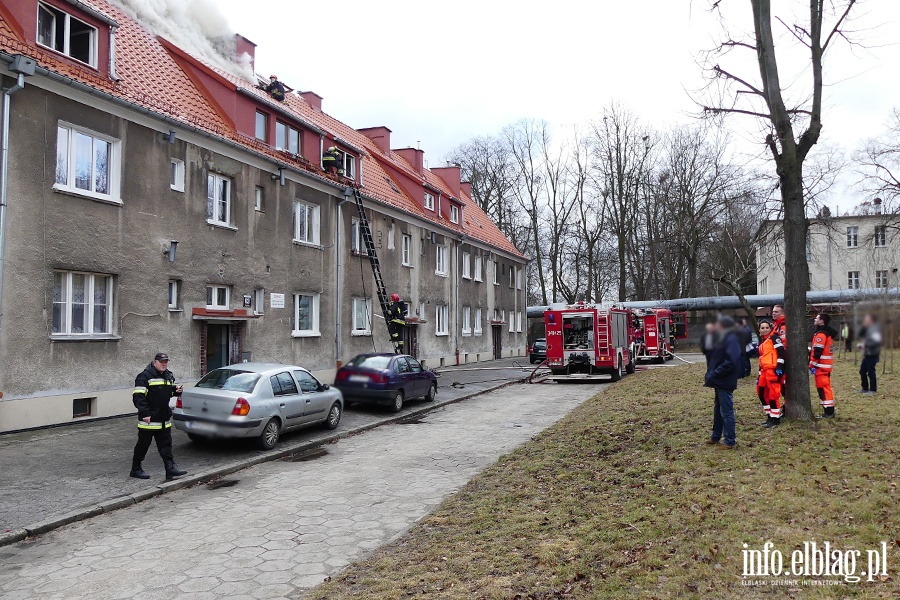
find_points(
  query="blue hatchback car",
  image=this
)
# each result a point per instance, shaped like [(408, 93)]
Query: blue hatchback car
[(389, 379)]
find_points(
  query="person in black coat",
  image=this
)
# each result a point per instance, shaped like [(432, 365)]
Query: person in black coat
[(722, 372), (153, 388)]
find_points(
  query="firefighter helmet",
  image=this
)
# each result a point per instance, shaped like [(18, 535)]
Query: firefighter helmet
[(275, 77), (395, 297), (332, 149)]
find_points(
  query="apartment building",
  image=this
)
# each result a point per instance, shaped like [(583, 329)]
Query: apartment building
[(156, 202)]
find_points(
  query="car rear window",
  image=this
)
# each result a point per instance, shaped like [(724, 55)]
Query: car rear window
[(371, 362), (229, 379)]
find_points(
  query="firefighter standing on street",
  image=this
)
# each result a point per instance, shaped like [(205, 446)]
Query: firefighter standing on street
[(396, 320), (768, 385), (821, 360), (153, 388)]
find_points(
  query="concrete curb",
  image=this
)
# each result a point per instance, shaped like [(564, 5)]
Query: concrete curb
[(111, 504)]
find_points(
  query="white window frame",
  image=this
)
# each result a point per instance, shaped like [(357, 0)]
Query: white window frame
[(91, 281), (357, 245), (360, 329), (313, 331), (467, 320), (311, 214), (853, 282), (764, 286), (454, 213), (67, 42), (428, 201), (441, 261), (174, 294), (259, 301), (479, 262), (216, 289), (466, 265), (288, 132), (265, 124), (519, 321), (406, 250), (390, 237), (518, 279), (213, 180), (476, 329), (177, 181), (512, 322), (880, 236), (258, 198), (512, 277), (496, 272), (441, 320), (421, 312), (113, 167), (853, 237), (881, 279)]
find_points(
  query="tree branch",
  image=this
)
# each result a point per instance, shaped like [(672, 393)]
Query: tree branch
[(837, 26)]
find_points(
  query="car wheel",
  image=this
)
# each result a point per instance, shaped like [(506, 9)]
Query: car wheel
[(269, 436), (334, 416), (197, 439), (397, 404), (432, 392), (617, 374)]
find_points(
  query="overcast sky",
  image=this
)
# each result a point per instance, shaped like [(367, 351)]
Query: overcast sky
[(437, 73)]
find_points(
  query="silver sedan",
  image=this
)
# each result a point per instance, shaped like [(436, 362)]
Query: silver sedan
[(256, 400)]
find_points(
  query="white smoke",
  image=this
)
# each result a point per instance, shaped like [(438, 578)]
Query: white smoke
[(195, 26)]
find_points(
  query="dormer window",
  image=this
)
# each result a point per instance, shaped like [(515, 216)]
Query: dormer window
[(454, 214), (262, 126), (429, 201), (287, 138), (67, 35)]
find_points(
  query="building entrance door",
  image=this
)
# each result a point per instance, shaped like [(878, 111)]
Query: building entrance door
[(218, 342), (411, 341), (496, 334)]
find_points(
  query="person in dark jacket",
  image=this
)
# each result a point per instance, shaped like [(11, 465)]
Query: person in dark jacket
[(331, 161), (708, 341), (871, 347), (275, 88), (397, 322), (153, 388), (722, 375)]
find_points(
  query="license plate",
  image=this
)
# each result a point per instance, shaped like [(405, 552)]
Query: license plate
[(359, 378), (201, 426)]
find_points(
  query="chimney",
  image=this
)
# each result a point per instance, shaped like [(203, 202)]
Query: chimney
[(466, 187), (313, 99), (244, 46), (451, 176), (877, 203), (380, 135), (415, 157)]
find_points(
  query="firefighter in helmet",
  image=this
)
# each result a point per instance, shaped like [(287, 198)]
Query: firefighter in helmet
[(331, 161), (396, 320), (275, 88)]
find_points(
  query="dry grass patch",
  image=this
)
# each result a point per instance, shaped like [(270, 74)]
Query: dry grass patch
[(623, 498)]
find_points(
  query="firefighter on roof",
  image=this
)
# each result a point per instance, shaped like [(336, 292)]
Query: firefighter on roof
[(331, 161), (821, 359), (275, 88), (771, 365), (396, 320)]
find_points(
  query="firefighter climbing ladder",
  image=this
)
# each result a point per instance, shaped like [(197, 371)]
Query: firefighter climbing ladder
[(366, 233)]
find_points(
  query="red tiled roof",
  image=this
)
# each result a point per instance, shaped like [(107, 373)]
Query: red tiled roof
[(150, 75)]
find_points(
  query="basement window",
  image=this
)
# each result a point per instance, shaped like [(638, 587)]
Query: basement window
[(67, 35), (82, 407)]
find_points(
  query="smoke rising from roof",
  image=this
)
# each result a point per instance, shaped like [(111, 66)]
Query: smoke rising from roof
[(196, 26)]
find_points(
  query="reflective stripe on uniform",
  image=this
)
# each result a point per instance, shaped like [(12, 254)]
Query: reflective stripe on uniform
[(157, 381), (154, 425), (139, 390)]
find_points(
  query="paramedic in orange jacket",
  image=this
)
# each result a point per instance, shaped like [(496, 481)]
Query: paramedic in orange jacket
[(821, 360), (771, 370)]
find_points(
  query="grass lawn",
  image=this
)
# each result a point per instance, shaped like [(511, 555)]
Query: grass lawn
[(623, 499)]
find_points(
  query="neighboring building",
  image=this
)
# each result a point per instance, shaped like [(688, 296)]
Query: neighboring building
[(849, 252), (121, 143)]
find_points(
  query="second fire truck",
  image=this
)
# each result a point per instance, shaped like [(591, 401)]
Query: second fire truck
[(588, 340)]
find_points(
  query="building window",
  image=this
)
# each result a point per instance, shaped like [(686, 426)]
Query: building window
[(218, 200), (429, 201), (174, 289), (362, 320), (306, 315), (86, 163), (519, 321), (64, 33), (496, 273), (880, 236), (466, 265), (477, 324), (853, 237), (518, 279), (881, 279), (306, 223), (454, 214), (406, 250), (421, 311), (764, 286), (466, 321), (478, 262), (287, 138), (357, 244), (258, 198), (853, 280), (82, 407), (441, 260), (217, 297), (176, 181), (349, 166), (441, 320), (82, 303), (262, 126), (259, 301), (512, 278), (390, 237)]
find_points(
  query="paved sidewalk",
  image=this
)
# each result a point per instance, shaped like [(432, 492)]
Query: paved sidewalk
[(284, 526), (61, 474)]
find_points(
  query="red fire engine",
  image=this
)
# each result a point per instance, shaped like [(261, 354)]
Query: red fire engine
[(653, 335), (585, 340)]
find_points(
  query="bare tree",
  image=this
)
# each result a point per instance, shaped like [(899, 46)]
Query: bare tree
[(764, 98)]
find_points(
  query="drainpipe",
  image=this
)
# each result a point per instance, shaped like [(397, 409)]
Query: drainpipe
[(112, 54), (21, 66), (338, 249), (456, 277)]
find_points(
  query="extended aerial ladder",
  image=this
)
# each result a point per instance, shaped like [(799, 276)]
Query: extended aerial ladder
[(365, 233)]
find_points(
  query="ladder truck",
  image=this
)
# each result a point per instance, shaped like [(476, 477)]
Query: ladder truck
[(588, 341)]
